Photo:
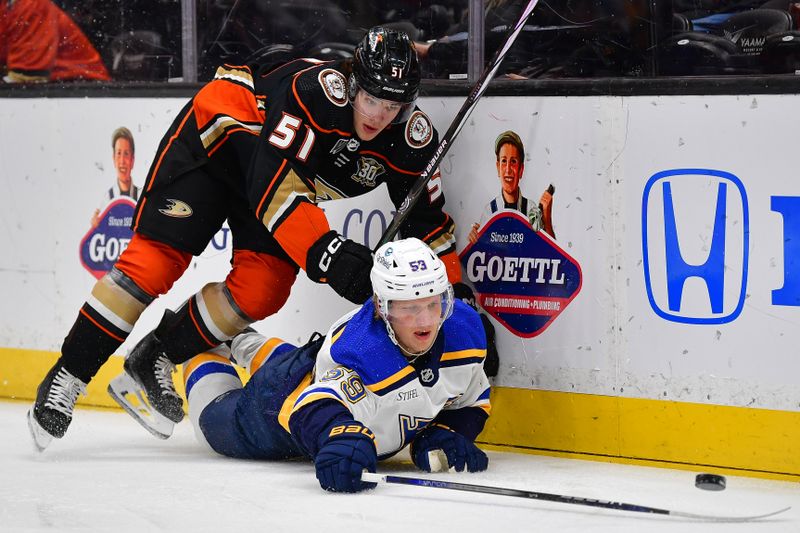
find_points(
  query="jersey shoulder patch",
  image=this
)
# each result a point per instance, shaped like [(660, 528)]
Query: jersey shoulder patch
[(334, 86), (419, 130)]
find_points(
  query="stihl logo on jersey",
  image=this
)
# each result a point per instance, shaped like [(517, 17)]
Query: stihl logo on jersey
[(177, 209), (367, 171)]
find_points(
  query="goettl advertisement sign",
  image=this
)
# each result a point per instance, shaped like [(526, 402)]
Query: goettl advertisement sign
[(520, 276), (102, 245)]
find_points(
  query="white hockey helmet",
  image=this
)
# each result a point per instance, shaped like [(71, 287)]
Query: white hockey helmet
[(407, 270)]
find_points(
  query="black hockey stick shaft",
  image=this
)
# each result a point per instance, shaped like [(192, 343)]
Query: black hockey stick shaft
[(558, 498), (460, 119)]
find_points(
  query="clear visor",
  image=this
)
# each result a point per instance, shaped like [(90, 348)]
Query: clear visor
[(422, 312), (379, 109)]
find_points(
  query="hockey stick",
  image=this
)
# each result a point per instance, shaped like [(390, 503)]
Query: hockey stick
[(576, 500), (458, 122)]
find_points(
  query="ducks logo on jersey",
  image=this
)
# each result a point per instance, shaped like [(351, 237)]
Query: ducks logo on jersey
[(333, 85), (419, 130)]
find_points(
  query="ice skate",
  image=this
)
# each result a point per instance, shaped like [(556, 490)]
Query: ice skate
[(133, 399), (149, 374), (51, 414)]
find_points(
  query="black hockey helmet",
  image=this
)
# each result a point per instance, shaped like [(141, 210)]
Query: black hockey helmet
[(385, 65)]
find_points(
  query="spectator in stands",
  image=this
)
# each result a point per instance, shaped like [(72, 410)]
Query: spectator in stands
[(39, 43)]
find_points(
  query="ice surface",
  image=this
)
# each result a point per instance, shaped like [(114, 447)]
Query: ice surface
[(108, 474)]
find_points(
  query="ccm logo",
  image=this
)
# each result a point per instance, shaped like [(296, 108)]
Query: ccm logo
[(330, 251), (695, 245)]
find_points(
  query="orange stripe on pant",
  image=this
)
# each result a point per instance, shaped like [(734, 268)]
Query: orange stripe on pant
[(152, 265), (260, 283), (300, 230)]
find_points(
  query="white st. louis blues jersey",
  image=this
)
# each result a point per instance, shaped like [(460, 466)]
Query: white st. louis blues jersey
[(361, 368)]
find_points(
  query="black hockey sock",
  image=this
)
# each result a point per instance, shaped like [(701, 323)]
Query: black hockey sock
[(89, 344), (184, 334)]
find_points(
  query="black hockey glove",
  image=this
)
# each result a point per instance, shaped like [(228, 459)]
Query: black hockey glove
[(492, 362), (345, 451), (343, 264)]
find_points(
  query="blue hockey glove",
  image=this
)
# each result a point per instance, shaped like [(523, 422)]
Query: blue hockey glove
[(492, 362), (343, 264), (346, 451), (459, 450)]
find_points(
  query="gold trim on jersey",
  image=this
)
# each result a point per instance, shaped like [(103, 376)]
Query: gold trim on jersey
[(318, 395), (464, 354), (394, 378), (444, 240), (338, 333), (239, 75), (290, 189), (263, 353), (288, 403), (325, 191), (223, 123)]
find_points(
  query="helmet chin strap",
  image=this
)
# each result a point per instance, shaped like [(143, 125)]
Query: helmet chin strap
[(410, 355)]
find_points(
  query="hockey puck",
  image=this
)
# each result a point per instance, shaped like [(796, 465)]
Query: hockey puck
[(709, 482)]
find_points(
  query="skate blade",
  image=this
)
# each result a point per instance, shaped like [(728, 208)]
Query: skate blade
[(41, 438), (127, 393)]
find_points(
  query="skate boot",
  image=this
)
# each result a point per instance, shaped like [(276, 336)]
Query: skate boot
[(55, 400), (146, 391)]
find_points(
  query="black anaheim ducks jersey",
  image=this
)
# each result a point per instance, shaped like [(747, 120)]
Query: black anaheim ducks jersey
[(308, 152)]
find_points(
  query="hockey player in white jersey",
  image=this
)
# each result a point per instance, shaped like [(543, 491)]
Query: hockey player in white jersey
[(404, 368)]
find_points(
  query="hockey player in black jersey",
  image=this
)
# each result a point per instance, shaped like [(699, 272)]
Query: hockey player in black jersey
[(403, 370), (270, 142)]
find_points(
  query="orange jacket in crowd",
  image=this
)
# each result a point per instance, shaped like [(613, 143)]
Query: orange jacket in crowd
[(38, 42)]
